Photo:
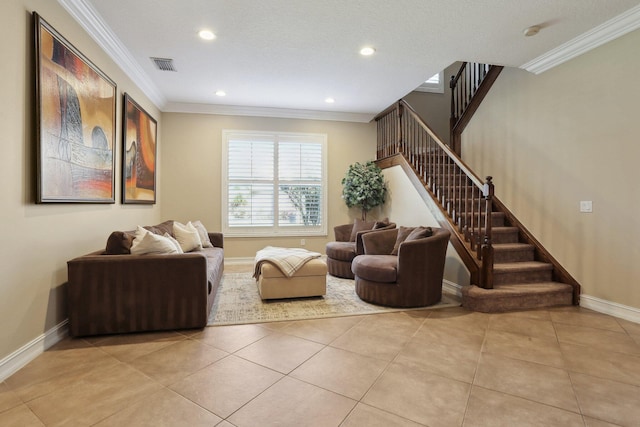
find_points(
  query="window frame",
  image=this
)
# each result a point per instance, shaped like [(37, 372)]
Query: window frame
[(274, 230), (426, 86)]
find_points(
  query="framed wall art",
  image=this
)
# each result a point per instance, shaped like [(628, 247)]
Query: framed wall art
[(75, 123), (139, 154)]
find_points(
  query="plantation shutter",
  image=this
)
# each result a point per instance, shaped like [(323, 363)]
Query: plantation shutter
[(275, 184), (250, 188)]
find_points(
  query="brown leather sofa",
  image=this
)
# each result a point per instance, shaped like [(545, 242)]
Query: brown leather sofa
[(111, 291), (348, 244), (412, 278)]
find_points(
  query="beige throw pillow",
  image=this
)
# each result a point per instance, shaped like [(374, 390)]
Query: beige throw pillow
[(187, 236), (175, 242), (148, 243), (204, 235)]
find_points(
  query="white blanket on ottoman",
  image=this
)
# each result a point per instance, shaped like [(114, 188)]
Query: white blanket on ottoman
[(288, 260)]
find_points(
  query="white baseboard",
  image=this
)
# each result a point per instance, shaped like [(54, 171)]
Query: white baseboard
[(452, 288), (614, 309), (25, 354)]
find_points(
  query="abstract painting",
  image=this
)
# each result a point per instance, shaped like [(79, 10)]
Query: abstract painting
[(139, 154), (75, 123)]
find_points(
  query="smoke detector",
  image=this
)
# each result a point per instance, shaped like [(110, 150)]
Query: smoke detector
[(531, 31)]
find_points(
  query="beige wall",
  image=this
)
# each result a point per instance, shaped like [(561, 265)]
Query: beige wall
[(571, 134), (39, 239), (435, 108), (192, 165)]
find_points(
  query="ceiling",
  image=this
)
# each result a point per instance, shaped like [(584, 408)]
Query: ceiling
[(290, 55)]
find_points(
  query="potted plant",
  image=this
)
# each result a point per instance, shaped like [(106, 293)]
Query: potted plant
[(364, 186)]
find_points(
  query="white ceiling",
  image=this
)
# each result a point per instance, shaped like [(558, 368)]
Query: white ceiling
[(292, 54)]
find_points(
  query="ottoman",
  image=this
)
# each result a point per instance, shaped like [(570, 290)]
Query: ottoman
[(308, 281)]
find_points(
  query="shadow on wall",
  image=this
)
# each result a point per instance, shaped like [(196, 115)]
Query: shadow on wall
[(56, 307)]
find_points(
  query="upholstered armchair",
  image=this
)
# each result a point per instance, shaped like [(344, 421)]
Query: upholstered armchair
[(348, 244), (412, 278)]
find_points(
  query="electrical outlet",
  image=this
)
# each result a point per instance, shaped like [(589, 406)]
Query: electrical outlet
[(302, 242), (586, 206)]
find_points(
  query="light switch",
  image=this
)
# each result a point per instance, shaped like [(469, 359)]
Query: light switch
[(586, 206)]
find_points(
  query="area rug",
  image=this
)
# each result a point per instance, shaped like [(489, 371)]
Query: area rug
[(238, 302)]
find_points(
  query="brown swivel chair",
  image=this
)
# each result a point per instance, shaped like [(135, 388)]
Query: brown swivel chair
[(413, 278), (349, 244)]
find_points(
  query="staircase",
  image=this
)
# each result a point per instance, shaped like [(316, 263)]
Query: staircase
[(510, 269)]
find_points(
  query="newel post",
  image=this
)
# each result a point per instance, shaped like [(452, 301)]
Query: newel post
[(487, 245)]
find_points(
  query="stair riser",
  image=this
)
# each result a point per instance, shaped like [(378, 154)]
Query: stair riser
[(505, 237), (501, 257), (502, 278), (520, 302)]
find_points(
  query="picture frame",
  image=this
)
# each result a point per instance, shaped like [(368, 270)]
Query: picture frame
[(75, 123), (139, 148)]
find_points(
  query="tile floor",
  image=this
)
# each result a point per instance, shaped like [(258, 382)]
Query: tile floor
[(557, 367)]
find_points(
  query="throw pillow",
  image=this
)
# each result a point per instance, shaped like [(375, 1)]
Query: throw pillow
[(382, 223), (403, 233), (419, 233), (119, 243), (163, 227), (204, 235), (187, 236), (360, 225), (146, 243), (175, 242)]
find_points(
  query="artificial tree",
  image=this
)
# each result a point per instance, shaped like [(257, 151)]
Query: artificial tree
[(364, 186)]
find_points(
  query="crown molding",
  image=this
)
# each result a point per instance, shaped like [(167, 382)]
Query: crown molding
[(285, 113), (93, 24), (603, 33)]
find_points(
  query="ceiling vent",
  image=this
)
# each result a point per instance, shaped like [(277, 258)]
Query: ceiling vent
[(164, 64)]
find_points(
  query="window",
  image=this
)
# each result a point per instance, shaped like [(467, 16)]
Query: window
[(434, 84), (274, 184)]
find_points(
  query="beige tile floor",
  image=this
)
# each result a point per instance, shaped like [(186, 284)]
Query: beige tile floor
[(557, 367)]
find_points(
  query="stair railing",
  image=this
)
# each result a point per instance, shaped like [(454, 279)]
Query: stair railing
[(468, 87), (464, 85), (465, 200)]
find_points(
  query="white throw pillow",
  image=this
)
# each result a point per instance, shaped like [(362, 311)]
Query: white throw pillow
[(174, 241), (187, 236), (146, 243), (202, 232)]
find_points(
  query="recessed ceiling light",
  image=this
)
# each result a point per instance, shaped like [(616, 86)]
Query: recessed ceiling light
[(206, 35), (329, 100), (367, 51), (221, 93)]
